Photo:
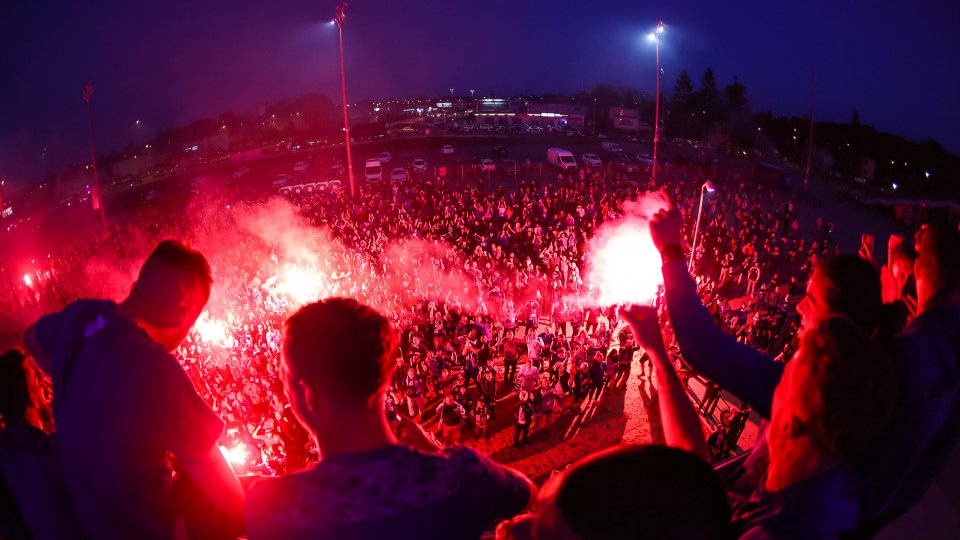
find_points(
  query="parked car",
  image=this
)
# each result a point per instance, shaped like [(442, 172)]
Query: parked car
[(592, 160), (500, 150), (372, 170), (398, 174), (447, 149), (384, 157), (625, 165), (487, 165), (611, 147), (419, 165)]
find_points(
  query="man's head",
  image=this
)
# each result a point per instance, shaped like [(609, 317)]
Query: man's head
[(833, 402), (671, 494), (903, 259), (937, 268), (171, 291), (845, 285), (337, 356)]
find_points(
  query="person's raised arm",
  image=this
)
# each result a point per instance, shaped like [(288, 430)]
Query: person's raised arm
[(681, 425), (215, 479), (743, 370)]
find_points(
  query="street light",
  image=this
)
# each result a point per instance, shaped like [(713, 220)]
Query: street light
[(655, 37), (97, 198), (341, 15), (706, 187)]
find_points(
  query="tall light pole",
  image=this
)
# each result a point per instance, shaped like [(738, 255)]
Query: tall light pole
[(341, 15), (655, 36), (813, 104), (707, 186), (97, 195)]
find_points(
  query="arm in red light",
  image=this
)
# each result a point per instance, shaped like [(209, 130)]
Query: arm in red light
[(681, 425), (750, 374), (215, 479)]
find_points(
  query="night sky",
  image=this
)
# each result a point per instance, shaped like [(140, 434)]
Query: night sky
[(172, 62)]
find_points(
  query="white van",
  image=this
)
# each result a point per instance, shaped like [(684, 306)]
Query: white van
[(373, 171), (563, 159)]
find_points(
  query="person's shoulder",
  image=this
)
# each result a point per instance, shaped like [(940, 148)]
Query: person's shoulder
[(269, 491), (466, 460), (77, 313), (268, 500)]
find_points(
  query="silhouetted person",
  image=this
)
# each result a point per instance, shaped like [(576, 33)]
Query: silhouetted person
[(338, 357), (34, 502), (626, 492), (123, 405)]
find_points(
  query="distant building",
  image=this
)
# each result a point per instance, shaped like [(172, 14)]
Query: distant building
[(135, 165), (498, 105), (556, 115), (623, 119), (506, 112)]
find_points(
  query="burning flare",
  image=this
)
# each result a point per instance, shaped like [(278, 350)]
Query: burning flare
[(623, 264)]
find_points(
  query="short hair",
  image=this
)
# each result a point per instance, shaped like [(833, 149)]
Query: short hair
[(168, 282), (857, 384), (341, 347), (943, 242), (651, 491), (853, 289), (902, 254), (14, 385)]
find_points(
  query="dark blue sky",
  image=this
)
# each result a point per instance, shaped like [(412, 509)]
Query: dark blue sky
[(168, 63)]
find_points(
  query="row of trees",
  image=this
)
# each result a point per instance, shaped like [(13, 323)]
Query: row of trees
[(723, 114), (696, 113)]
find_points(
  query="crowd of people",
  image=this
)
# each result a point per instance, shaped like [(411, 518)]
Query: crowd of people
[(476, 282), (482, 296)]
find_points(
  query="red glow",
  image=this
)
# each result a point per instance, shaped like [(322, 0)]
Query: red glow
[(235, 456), (213, 331), (624, 265), (300, 284)]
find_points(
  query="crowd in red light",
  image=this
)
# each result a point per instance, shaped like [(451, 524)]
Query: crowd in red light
[(440, 262)]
